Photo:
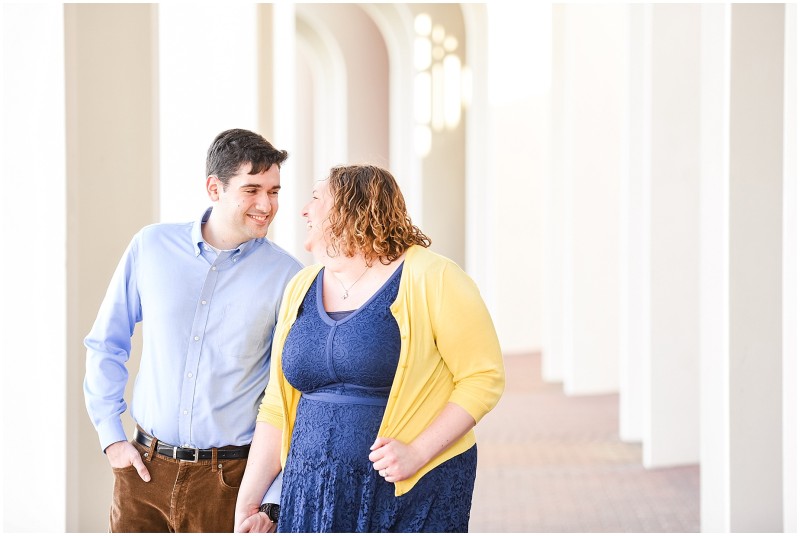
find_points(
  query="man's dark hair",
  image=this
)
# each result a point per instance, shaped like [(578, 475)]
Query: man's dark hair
[(235, 147)]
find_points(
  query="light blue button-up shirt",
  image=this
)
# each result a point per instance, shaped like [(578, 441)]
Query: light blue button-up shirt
[(207, 324)]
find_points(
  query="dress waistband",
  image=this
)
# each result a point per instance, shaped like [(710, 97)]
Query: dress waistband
[(336, 398)]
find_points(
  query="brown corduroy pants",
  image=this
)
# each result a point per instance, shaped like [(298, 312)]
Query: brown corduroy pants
[(180, 497)]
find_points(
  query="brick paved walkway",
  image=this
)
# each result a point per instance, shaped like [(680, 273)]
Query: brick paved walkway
[(552, 463)]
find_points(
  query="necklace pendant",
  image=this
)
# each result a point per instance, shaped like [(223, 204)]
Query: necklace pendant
[(346, 294)]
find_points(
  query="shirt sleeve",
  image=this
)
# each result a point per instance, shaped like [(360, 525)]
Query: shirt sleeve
[(108, 347), (273, 494), (468, 343)]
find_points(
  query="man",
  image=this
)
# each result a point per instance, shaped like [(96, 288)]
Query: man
[(208, 295)]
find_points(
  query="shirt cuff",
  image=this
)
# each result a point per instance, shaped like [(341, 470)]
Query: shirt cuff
[(111, 431)]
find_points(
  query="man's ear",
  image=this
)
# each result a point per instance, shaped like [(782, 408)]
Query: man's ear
[(213, 187)]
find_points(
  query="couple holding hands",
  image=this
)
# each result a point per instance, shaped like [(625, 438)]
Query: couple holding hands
[(338, 397)]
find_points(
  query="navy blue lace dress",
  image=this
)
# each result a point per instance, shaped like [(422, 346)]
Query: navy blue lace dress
[(344, 364)]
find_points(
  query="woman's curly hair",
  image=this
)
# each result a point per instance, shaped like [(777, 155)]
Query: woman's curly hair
[(369, 215)]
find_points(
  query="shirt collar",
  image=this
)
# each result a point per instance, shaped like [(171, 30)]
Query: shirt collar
[(197, 232), (197, 235)]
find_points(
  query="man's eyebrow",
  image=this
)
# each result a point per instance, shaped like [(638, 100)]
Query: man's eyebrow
[(258, 186)]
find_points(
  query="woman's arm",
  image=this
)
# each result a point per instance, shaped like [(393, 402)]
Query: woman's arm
[(465, 337), (395, 460), (263, 465), (466, 340)]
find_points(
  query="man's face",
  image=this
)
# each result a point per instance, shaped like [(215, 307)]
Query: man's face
[(247, 206)]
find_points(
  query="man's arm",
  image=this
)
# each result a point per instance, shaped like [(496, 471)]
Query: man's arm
[(108, 347)]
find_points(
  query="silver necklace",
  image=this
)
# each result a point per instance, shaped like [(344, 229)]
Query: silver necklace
[(347, 289)]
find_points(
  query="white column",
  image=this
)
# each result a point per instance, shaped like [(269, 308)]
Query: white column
[(714, 277), (635, 228), (112, 185), (286, 229), (481, 229), (756, 138), (33, 334), (594, 72), (791, 277), (741, 422), (671, 370), (208, 78), (517, 145)]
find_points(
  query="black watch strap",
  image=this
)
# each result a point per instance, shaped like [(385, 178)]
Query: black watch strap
[(272, 511)]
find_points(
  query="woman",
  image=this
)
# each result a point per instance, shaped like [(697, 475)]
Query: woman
[(384, 359)]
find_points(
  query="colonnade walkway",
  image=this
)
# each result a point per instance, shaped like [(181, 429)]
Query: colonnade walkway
[(552, 463)]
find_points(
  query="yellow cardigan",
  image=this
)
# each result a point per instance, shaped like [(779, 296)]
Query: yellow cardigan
[(449, 352)]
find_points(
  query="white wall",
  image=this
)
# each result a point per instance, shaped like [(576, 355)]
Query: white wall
[(555, 338), (207, 83)]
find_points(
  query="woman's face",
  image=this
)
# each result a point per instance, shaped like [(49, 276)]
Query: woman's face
[(316, 214)]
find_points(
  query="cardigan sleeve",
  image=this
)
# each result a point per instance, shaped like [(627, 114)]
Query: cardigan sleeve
[(468, 343), (273, 405), (271, 409)]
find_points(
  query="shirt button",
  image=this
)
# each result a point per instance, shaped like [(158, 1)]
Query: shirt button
[(213, 268), (234, 260), (185, 412), (196, 338), (207, 248), (190, 375), (204, 302)]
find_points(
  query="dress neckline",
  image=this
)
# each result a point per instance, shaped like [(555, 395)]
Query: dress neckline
[(324, 314)]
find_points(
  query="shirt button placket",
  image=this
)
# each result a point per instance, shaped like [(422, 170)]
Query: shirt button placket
[(193, 355)]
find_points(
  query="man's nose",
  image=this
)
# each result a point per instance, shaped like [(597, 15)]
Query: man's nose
[(262, 203)]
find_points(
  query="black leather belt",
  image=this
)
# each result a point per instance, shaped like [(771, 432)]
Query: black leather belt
[(191, 454)]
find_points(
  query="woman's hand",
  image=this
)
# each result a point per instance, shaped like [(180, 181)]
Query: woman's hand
[(395, 460)]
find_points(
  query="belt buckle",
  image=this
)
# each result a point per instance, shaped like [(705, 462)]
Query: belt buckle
[(196, 454)]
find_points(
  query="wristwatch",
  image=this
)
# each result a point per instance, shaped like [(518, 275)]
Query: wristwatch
[(272, 511)]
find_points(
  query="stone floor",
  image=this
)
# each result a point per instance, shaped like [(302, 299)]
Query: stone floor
[(552, 463)]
